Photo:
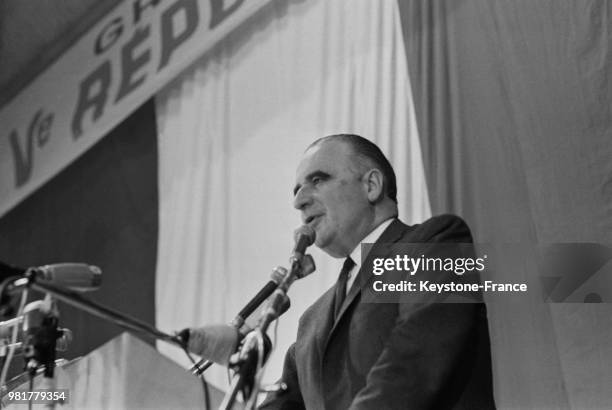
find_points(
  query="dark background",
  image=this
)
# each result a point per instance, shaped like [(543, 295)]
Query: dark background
[(100, 210)]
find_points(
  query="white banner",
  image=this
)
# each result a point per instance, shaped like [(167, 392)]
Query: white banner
[(120, 63)]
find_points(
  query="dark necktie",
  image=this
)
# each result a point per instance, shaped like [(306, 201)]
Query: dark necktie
[(341, 285)]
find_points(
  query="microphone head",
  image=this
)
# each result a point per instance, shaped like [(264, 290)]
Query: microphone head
[(278, 274), (304, 237), (79, 277), (214, 342), (305, 233)]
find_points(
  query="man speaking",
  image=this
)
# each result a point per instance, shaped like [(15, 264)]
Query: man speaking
[(355, 355)]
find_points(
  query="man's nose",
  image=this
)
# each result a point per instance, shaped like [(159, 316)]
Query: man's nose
[(302, 198)]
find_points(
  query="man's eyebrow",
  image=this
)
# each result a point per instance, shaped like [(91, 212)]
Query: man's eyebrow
[(309, 177)]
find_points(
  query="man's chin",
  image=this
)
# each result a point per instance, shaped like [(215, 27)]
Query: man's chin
[(322, 243), (331, 251), (319, 242)]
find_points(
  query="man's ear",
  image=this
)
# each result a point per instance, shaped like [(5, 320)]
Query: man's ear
[(374, 185)]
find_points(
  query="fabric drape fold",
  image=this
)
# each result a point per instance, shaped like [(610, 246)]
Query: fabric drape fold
[(512, 102), (231, 132)]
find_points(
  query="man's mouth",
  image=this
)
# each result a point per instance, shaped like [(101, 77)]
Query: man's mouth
[(310, 219)]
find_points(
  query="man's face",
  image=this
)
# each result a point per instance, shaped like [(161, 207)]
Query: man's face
[(332, 197)]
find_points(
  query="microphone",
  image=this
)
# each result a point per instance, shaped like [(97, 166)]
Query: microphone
[(304, 236), (213, 342), (301, 266), (79, 277), (61, 343), (40, 333), (33, 314), (217, 343), (198, 340), (6, 326), (276, 278)]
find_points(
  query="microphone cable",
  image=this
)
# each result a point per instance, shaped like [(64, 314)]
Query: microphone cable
[(261, 367), (201, 377)]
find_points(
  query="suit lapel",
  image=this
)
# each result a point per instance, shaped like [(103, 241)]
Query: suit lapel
[(327, 309), (317, 330), (391, 235)]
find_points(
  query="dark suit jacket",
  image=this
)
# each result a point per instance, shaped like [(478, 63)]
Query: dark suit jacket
[(391, 355)]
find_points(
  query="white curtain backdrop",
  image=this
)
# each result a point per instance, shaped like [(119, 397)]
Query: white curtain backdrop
[(232, 130)]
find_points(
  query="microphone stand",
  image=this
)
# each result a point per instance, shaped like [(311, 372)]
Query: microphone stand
[(252, 356), (39, 345), (42, 348), (278, 273), (39, 348), (75, 299)]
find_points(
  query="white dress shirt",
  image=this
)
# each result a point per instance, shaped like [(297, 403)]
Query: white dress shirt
[(356, 255)]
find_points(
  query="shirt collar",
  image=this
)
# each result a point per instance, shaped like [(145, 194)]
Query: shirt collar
[(372, 237)]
